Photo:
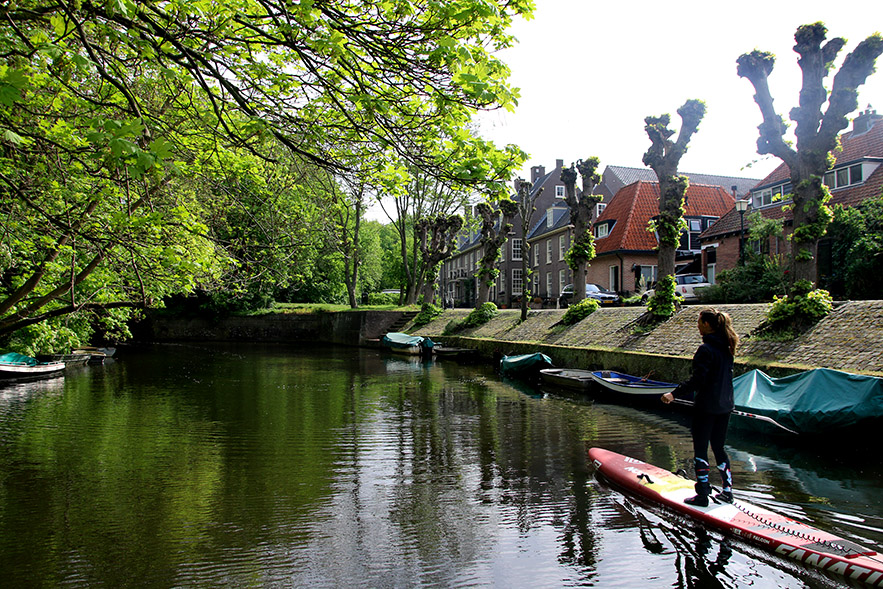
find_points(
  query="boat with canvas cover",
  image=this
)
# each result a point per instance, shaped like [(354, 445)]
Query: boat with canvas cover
[(816, 402), (14, 366), (403, 343), (524, 364)]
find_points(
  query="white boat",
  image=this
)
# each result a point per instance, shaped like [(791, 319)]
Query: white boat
[(20, 367), (569, 378), (631, 387)]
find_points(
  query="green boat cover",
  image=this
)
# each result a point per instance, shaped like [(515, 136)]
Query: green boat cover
[(18, 359), (811, 402), (510, 365), (395, 339)]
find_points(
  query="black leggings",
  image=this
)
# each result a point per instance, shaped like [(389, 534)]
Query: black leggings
[(708, 428)]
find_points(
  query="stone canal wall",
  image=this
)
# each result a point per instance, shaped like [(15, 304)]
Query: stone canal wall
[(850, 338)]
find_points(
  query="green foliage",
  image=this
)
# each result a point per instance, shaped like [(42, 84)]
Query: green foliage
[(579, 311), (665, 301), (759, 280), (383, 298), (49, 337), (803, 307), (856, 251), (581, 251), (427, 313), (481, 315)]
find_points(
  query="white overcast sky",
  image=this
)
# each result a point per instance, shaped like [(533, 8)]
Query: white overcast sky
[(589, 72)]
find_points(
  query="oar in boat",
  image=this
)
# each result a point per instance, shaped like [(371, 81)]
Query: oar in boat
[(744, 414)]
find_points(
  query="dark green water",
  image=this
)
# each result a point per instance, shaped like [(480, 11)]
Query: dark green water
[(255, 466)]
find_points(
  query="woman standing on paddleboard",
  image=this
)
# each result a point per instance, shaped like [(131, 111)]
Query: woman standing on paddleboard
[(712, 383)]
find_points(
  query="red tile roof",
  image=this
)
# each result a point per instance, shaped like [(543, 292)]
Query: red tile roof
[(853, 147), (633, 207)]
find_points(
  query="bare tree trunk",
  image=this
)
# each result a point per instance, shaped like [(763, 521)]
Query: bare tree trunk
[(581, 204)]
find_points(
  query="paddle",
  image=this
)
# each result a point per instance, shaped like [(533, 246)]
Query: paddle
[(744, 414)]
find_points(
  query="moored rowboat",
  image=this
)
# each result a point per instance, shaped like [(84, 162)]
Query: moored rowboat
[(15, 366), (631, 386), (568, 378)]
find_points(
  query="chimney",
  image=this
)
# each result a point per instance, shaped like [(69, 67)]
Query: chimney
[(537, 172), (559, 164), (864, 121)]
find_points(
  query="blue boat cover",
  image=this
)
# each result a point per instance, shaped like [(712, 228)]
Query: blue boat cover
[(814, 401), (395, 339), (514, 364), (17, 359)]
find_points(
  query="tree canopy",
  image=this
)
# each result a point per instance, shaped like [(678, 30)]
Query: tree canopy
[(152, 148)]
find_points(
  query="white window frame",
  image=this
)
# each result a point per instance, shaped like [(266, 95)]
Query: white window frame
[(517, 282), (549, 251), (562, 279), (559, 191), (548, 284), (562, 247), (535, 279), (599, 208), (536, 254), (602, 230), (516, 249)]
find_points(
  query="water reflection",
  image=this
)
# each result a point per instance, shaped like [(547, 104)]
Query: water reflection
[(271, 465)]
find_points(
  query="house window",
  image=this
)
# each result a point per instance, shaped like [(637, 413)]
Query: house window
[(599, 208), (562, 280), (602, 230), (503, 254), (536, 283), (548, 284), (768, 196), (562, 247), (648, 274), (548, 251), (711, 271), (845, 176), (502, 282), (536, 254), (559, 192), (517, 283), (516, 248)]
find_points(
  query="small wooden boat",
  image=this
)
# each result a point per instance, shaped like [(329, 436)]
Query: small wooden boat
[(524, 364), (15, 366), (403, 343), (631, 387), (445, 352), (568, 378), (107, 351), (70, 360)]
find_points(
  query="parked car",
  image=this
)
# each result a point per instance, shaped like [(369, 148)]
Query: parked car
[(685, 285), (605, 297)]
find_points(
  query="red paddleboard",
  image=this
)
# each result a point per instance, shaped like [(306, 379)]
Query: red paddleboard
[(773, 531)]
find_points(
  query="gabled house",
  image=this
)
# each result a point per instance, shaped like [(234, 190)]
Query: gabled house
[(625, 250), (549, 241), (857, 174)]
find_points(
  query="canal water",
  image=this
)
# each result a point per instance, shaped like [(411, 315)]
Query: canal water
[(256, 466)]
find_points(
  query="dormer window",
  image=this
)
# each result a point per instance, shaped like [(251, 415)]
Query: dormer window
[(769, 195), (602, 230), (550, 218), (845, 176), (559, 192)]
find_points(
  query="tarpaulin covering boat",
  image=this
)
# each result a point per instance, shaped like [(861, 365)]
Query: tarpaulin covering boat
[(14, 366), (404, 343), (811, 402), (524, 363)]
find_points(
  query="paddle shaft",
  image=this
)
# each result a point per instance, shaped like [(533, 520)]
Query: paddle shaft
[(744, 414)]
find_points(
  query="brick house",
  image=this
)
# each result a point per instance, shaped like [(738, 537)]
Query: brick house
[(625, 251), (857, 175)]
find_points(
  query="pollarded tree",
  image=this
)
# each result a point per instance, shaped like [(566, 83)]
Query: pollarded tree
[(496, 222), (816, 131), (663, 157), (437, 237), (581, 205)]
